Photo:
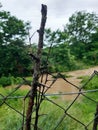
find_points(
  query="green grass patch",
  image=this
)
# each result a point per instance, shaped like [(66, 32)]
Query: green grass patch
[(92, 82), (49, 115), (9, 118)]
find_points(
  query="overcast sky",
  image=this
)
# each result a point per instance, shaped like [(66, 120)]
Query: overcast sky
[(58, 10)]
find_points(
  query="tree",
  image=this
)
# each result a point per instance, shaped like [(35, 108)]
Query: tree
[(13, 50), (92, 55), (60, 57), (54, 37), (11, 28), (81, 26), (14, 59), (80, 29)]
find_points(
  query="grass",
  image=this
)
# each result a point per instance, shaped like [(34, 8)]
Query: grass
[(92, 84), (9, 118), (50, 114), (83, 110)]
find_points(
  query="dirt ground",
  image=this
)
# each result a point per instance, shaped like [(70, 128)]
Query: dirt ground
[(61, 86)]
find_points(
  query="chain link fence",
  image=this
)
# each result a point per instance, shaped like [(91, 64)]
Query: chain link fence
[(69, 109), (47, 111)]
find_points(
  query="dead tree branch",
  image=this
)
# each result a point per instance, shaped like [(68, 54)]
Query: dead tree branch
[(36, 74)]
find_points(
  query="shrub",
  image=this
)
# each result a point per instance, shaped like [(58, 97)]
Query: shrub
[(17, 80), (5, 81), (10, 80)]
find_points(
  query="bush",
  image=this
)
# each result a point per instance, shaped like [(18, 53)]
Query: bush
[(10, 80), (5, 81), (17, 80)]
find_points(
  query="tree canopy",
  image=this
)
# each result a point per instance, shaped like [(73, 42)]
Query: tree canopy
[(81, 26), (82, 31), (13, 50), (11, 28), (77, 41), (79, 37)]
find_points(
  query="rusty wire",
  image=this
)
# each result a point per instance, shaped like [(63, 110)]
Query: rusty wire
[(42, 95)]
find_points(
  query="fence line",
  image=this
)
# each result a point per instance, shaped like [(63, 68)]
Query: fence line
[(49, 95), (43, 88)]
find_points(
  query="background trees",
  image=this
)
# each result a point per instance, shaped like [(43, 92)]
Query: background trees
[(13, 49), (11, 28), (78, 41), (82, 30), (60, 58)]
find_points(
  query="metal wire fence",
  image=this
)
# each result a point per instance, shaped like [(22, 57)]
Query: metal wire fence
[(72, 116), (49, 111)]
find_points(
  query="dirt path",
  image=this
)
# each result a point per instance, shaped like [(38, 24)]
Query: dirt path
[(61, 86)]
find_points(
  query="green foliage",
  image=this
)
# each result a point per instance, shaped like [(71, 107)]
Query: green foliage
[(13, 50), (50, 114), (54, 37), (82, 25), (14, 59), (10, 80), (50, 117), (91, 56), (82, 31), (82, 110), (4, 81), (11, 28), (78, 41), (93, 83), (60, 58), (9, 119)]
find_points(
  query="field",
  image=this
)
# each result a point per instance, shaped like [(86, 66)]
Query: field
[(83, 109)]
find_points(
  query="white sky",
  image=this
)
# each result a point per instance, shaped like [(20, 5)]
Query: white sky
[(58, 10)]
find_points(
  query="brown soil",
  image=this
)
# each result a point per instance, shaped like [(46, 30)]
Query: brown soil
[(61, 86)]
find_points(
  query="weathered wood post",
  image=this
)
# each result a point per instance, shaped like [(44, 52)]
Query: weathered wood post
[(36, 74)]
